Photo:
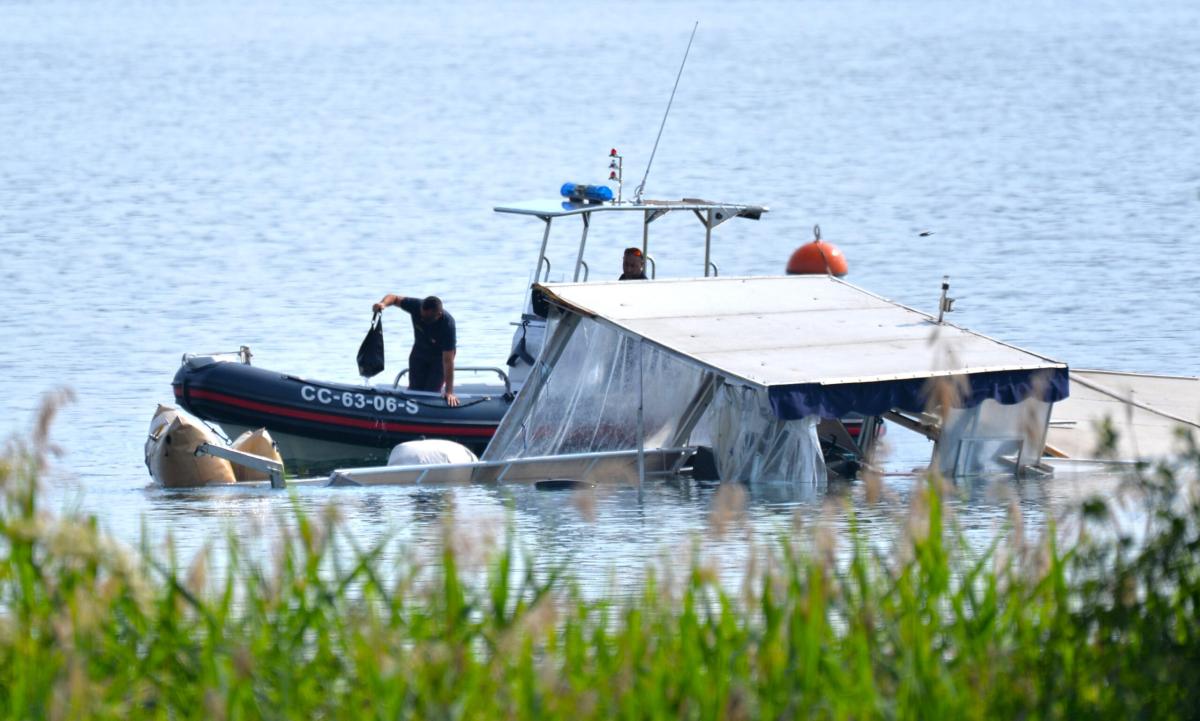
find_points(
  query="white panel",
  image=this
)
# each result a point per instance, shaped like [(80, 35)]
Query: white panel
[(1145, 425)]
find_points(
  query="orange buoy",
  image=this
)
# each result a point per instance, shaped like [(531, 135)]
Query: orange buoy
[(818, 257)]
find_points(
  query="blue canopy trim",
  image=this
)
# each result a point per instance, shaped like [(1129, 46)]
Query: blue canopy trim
[(793, 402)]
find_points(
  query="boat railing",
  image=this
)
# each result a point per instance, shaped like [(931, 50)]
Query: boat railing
[(242, 354), (471, 369), (710, 214)]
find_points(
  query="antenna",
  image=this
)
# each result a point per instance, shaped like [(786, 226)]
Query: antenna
[(637, 194)]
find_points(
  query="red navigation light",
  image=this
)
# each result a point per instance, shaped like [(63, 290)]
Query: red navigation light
[(612, 175), (612, 153)]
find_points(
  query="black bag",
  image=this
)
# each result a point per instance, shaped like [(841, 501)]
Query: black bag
[(370, 353)]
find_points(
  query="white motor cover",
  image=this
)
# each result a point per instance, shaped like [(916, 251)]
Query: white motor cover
[(430, 452)]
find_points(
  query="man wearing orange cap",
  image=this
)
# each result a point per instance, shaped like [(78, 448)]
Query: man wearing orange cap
[(633, 265)]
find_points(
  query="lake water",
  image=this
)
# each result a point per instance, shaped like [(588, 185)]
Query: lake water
[(197, 176)]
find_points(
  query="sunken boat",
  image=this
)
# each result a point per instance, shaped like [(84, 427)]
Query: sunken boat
[(743, 379)]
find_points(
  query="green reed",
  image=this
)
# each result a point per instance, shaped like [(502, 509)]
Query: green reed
[(1109, 627)]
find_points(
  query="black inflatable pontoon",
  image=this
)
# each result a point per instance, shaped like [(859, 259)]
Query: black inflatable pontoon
[(319, 425)]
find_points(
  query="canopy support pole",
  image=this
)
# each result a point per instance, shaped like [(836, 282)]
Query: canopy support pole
[(542, 253), (646, 219), (587, 221), (708, 226)]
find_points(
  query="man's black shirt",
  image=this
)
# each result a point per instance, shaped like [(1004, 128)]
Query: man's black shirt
[(433, 338)]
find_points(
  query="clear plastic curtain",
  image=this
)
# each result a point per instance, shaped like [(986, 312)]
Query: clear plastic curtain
[(750, 443), (589, 399), (992, 438)]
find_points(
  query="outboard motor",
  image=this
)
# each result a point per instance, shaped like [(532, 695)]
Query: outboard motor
[(526, 347)]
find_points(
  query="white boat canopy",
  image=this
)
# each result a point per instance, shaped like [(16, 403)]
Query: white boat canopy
[(818, 344)]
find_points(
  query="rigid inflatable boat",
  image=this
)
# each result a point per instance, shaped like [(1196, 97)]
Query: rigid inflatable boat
[(318, 425)]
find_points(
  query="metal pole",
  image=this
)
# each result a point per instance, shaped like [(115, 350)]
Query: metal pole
[(273, 468), (942, 300), (646, 232), (641, 426), (582, 244), (707, 241), (542, 253)]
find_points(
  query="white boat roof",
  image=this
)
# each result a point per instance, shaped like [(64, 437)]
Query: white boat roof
[(558, 207), (788, 330)]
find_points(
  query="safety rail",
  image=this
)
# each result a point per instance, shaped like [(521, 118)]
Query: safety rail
[(243, 355), (473, 369)]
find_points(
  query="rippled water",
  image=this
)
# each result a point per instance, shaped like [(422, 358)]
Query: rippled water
[(196, 176)]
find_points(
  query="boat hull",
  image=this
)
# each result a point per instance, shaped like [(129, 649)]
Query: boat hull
[(170, 452), (318, 425)]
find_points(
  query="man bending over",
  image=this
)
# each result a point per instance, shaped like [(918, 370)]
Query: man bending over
[(431, 362)]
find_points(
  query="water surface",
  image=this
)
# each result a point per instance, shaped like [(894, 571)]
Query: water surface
[(197, 176)]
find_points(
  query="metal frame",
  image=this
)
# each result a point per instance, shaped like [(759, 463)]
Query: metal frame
[(542, 253), (710, 215), (346, 477), (273, 468), (587, 223)]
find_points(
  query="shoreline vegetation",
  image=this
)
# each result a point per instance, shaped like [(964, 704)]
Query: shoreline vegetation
[(1108, 627)]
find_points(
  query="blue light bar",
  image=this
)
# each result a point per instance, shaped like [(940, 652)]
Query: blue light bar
[(592, 193)]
